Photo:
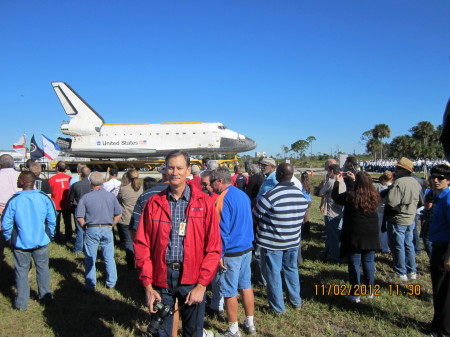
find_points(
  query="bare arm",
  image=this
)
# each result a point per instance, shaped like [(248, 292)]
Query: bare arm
[(116, 219), (81, 222)]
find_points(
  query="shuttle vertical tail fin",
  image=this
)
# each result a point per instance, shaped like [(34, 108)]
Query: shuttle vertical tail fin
[(84, 119), (72, 103)]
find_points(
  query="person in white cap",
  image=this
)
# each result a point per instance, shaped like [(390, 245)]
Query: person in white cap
[(268, 166)]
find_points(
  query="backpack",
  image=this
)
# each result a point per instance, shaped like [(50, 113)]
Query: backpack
[(240, 181)]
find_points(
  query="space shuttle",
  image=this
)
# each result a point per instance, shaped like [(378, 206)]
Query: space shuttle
[(91, 137)]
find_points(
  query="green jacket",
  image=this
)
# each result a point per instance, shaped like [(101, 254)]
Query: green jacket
[(403, 198)]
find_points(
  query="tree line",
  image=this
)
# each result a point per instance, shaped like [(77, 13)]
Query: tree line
[(422, 142)]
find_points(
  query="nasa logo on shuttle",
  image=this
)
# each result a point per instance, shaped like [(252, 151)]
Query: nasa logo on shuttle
[(99, 143)]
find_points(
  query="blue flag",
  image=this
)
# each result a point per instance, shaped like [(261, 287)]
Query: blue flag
[(35, 151)]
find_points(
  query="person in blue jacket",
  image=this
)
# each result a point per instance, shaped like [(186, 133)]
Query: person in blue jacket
[(28, 222)]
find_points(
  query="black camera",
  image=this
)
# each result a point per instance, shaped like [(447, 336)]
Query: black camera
[(157, 320)]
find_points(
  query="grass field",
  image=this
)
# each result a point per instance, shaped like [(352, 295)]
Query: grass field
[(120, 312)]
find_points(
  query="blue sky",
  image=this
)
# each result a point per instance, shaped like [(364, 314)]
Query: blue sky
[(276, 71)]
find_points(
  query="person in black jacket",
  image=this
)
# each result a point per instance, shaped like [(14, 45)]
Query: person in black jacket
[(360, 232), (77, 190)]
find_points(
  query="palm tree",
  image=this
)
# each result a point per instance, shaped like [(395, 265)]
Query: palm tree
[(379, 132), (310, 139), (285, 150), (423, 132), (373, 146)]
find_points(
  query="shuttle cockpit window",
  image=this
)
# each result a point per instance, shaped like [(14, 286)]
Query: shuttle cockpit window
[(222, 127)]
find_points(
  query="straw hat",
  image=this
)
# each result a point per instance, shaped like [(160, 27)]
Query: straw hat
[(406, 164)]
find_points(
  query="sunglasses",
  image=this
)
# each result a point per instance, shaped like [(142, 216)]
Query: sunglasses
[(433, 176)]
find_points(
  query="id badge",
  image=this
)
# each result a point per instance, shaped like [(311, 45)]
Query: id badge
[(182, 231)]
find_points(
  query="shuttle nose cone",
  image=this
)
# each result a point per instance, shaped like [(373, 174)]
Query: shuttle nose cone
[(242, 144), (250, 144)]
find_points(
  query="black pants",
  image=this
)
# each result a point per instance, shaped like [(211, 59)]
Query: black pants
[(440, 279)]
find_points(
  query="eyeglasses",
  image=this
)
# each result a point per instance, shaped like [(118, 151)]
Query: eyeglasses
[(433, 176)]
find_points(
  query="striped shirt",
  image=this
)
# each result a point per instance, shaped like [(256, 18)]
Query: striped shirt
[(175, 249), (280, 212)]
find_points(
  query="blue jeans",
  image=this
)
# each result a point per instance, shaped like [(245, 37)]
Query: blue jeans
[(191, 316), (259, 266), (22, 260), (79, 239), (127, 244), (384, 242), (216, 299), (285, 261), (333, 228), (367, 257), (103, 237), (416, 237), (403, 254)]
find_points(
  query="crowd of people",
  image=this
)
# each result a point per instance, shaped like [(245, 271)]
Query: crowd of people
[(183, 235), (382, 165)]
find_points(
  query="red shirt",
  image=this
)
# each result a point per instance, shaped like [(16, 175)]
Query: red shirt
[(202, 244), (60, 190), (233, 178)]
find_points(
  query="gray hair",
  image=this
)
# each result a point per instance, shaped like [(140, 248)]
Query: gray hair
[(255, 168), (212, 165), (96, 178), (195, 169), (206, 173), (6, 161), (221, 173)]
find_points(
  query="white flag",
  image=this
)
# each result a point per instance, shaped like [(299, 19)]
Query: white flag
[(51, 150), (20, 146)]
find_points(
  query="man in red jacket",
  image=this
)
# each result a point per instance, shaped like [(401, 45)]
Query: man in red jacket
[(178, 247)]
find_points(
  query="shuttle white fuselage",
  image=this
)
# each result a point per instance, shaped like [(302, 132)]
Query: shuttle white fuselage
[(92, 137)]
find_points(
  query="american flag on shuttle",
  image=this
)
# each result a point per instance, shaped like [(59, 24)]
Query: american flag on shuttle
[(142, 142)]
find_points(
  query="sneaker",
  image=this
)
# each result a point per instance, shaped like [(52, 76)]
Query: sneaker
[(412, 276), (403, 278), (250, 330), (207, 333), (353, 298), (228, 333)]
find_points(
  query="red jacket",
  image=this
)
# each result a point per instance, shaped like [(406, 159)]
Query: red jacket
[(202, 244)]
